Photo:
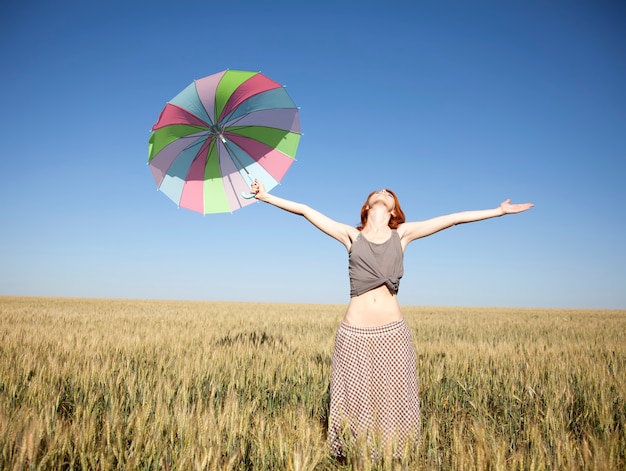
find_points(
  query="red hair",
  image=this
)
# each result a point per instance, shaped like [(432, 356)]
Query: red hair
[(396, 219)]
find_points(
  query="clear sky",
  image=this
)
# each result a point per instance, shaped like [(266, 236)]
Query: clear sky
[(454, 105)]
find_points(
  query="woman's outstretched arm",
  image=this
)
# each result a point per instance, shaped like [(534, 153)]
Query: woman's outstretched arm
[(415, 230), (342, 232)]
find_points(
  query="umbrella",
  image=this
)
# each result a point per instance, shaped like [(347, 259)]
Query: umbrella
[(220, 133)]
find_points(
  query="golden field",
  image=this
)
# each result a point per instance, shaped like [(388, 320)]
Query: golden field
[(125, 384)]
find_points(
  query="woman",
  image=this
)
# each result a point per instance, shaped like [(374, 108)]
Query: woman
[(373, 385)]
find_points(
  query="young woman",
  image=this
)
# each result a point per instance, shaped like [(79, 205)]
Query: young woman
[(373, 385)]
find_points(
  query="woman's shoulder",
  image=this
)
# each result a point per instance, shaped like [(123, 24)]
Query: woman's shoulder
[(401, 231), (353, 233)]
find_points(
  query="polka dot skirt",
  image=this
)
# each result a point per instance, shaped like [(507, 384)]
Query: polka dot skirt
[(373, 389)]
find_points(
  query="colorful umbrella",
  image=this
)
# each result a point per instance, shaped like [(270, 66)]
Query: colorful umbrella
[(219, 134)]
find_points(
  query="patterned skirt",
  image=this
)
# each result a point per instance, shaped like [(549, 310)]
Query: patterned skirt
[(373, 390)]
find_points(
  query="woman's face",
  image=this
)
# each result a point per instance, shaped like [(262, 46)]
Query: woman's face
[(383, 196)]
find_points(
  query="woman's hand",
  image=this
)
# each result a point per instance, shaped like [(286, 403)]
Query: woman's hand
[(507, 208), (258, 189)]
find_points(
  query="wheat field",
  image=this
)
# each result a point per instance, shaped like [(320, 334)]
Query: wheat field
[(125, 384)]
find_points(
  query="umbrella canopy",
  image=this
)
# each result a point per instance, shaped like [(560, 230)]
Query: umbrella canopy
[(220, 133)]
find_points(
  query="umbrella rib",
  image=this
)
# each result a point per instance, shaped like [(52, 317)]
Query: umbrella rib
[(236, 160), (234, 123), (239, 118)]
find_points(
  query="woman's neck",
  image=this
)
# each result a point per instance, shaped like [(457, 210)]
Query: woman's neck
[(377, 221)]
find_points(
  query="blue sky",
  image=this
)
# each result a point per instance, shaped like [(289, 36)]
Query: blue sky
[(454, 105)]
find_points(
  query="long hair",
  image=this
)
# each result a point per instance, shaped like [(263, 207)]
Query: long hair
[(395, 220)]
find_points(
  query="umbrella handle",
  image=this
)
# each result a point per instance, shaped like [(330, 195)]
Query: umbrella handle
[(248, 196)]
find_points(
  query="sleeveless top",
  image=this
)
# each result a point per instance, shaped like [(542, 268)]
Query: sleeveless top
[(371, 265)]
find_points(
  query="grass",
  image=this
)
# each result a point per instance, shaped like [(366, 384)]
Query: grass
[(124, 384)]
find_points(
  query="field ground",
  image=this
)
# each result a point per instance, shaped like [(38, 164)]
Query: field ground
[(126, 384)]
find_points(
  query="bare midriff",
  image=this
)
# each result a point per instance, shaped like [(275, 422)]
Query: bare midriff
[(372, 309)]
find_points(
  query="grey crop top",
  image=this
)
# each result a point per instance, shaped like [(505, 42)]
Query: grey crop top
[(371, 265)]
